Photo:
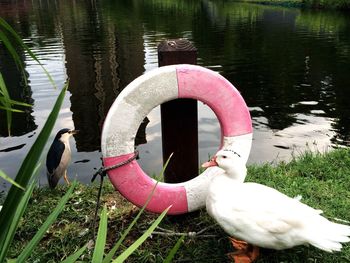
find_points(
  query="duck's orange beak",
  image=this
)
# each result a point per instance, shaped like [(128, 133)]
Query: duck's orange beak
[(210, 163)]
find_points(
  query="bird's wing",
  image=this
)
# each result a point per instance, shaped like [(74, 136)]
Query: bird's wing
[(269, 208), (275, 224), (261, 197), (54, 156)]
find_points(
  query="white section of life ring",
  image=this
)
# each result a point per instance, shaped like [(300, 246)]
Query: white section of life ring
[(132, 106)]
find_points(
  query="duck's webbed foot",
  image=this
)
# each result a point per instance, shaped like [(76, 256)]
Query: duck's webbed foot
[(245, 253)]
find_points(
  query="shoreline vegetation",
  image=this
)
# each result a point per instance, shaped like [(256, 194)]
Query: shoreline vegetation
[(343, 5), (322, 179)]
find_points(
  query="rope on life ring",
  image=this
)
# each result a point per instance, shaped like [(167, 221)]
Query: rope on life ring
[(135, 102)]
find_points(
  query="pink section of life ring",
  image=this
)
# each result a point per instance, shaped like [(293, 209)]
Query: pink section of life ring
[(136, 186), (219, 94), (197, 83)]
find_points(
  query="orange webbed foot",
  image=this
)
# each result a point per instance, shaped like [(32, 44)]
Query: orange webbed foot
[(239, 258), (238, 244), (245, 253)]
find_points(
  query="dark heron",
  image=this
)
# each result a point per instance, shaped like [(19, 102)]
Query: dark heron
[(58, 157)]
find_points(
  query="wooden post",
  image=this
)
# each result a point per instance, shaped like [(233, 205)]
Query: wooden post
[(179, 118)]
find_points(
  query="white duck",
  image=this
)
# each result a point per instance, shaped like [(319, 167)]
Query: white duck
[(263, 216)]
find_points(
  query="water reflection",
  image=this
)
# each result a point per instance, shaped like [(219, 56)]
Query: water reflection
[(290, 65), (91, 64), (93, 58)]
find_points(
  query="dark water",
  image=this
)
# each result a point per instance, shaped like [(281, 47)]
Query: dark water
[(292, 67)]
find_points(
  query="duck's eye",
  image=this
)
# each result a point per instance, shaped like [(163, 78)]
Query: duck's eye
[(224, 156)]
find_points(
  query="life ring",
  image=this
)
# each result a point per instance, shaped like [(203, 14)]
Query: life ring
[(135, 102)]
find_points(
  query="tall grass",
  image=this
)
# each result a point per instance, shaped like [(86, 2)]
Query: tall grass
[(17, 198), (22, 187), (322, 179), (310, 4), (327, 4)]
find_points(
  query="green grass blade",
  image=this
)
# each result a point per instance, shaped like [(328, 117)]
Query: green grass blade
[(74, 257), (10, 180), (9, 109), (19, 103), (5, 101), (14, 223), (112, 252), (101, 238), (26, 170), (45, 226), (141, 239), (3, 89), (173, 251)]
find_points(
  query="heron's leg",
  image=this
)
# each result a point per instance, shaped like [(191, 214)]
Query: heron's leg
[(65, 177)]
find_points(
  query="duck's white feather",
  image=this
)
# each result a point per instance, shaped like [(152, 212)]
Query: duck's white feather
[(266, 217)]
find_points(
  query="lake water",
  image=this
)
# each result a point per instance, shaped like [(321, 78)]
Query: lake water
[(291, 66)]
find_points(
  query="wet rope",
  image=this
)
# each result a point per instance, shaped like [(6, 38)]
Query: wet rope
[(102, 172)]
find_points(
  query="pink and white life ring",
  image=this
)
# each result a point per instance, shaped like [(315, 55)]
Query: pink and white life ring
[(135, 102)]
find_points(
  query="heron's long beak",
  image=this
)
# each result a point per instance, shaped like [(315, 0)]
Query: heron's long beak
[(210, 163), (74, 132)]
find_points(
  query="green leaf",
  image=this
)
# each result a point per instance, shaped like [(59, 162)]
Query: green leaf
[(74, 257), (10, 109), (5, 100), (112, 252), (10, 180), (26, 172), (7, 103), (3, 89), (45, 226), (7, 43), (101, 238), (141, 239), (19, 213), (19, 103), (173, 251)]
